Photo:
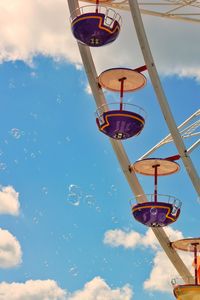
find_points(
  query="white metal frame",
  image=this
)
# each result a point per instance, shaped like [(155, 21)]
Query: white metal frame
[(186, 132)]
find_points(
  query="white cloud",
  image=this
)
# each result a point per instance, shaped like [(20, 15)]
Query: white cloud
[(96, 289), (10, 250), (118, 237), (132, 239), (37, 27), (9, 201), (149, 239), (159, 279), (32, 290), (43, 27)]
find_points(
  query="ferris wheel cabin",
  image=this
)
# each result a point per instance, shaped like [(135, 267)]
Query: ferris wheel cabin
[(95, 25), (161, 210), (121, 120)]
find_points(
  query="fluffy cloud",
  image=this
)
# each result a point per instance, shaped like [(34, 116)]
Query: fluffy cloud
[(32, 290), (96, 289), (10, 250), (159, 279), (9, 201), (118, 237), (132, 239), (149, 239), (29, 28)]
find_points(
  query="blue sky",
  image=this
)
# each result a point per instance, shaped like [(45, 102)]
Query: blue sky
[(73, 236)]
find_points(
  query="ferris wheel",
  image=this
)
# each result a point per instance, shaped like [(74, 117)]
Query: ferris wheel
[(99, 24)]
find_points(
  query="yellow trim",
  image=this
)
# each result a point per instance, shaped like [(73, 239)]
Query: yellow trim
[(167, 215), (119, 115), (100, 23)]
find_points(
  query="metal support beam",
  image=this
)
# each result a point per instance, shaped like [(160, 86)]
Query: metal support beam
[(169, 139)]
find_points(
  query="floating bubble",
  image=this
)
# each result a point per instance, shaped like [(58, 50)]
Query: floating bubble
[(113, 188), (34, 115), (114, 220), (3, 166), (67, 237), (98, 209), (40, 214), (74, 195), (74, 189), (46, 263), (73, 199), (67, 139), (33, 74), (105, 260), (33, 155), (90, 200), (35, 220), (92, 187), (11, 84), (153, 211), (44, 190), (112, 191), (16, 133), (59, 99), (73, 271)]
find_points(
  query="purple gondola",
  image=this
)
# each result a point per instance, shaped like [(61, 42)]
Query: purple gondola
[(156, 213), (95, 25), (121, 120), (120, 124)]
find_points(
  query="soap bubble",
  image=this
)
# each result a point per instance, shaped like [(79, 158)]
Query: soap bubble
[(114, 220), (90, 200), (3, 166), (16, 133), (73, 199), (74, 189), (74, 195), (73, 271), (153, 211)]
